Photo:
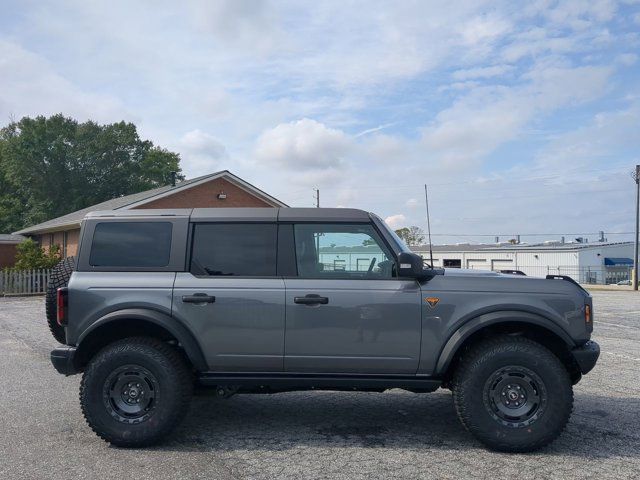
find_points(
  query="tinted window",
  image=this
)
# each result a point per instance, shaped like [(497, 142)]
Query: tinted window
[(131, 244), (234, 249), (341, 251)]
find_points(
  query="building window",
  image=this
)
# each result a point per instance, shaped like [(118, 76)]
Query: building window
[(452, 263)]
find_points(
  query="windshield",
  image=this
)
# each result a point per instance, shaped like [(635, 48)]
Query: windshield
[(403, 245), (399, 242)]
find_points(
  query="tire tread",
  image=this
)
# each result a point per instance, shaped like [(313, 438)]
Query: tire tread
[(147, 346), (480, 353), (60, 275)]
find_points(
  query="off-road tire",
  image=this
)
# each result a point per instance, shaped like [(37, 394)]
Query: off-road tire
[(477, 383), (59, 278), (172, 381)]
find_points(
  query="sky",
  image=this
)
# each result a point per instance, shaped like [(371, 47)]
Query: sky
[(522, 117)]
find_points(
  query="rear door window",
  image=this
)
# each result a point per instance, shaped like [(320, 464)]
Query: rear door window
[(234, 249), (131, 244)]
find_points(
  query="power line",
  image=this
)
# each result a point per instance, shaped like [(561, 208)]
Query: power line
[(381, 200), (521, 234), (482, 182)]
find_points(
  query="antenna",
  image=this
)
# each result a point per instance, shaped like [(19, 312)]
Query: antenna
[(426, 201)]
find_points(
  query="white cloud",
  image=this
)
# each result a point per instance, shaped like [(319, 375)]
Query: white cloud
[(247, 24), (373, 130), (304, 144), (201, 152), (238, 76), (484, 28), (627, 59), (197, 141), (396, 221), (579, 14), (487, 117), (482, 72), (30, 85), (586, 147)]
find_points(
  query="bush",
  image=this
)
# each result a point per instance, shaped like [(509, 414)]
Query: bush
[(30, 256)]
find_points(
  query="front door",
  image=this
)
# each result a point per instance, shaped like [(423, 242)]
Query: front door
[(231, 299), (346, 311)]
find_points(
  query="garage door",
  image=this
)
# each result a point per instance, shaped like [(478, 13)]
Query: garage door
[(502, 264), (478, 264)]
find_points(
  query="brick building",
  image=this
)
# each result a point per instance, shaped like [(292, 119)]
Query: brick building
[(8, 244), (220, 189)]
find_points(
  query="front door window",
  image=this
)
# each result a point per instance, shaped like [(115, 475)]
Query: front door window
[(341, 251)]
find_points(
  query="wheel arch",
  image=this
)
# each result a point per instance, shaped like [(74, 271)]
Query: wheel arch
[(527, 324), (137, 322)]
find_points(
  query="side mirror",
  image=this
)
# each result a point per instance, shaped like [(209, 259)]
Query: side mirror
[(410, 265)]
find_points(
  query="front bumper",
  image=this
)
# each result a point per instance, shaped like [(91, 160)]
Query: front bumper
[(586, 356), (62, 359)]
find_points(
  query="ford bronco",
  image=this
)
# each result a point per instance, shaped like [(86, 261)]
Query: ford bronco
[(266, 300)]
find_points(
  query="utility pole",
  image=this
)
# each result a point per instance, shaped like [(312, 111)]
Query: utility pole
[(317, 197), (634, 276)]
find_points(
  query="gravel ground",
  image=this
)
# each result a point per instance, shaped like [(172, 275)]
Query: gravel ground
[(313, 435)]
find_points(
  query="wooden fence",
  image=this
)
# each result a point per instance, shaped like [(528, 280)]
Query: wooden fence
[(24, 282)]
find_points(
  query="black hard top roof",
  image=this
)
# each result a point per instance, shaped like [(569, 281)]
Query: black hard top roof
[(245, 214)]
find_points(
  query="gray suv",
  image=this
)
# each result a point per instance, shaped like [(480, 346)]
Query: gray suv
[(263, 300)]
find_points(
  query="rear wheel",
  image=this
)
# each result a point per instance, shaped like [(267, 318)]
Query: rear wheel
[(60, 275), (135, 391), (512, 394)]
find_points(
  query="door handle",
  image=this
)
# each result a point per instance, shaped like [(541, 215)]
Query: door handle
[(311, 299), (198, 298)]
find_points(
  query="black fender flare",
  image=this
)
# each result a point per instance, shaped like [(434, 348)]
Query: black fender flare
[(457, 339), (178, 330)]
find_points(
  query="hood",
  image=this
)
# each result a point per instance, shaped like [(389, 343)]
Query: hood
[(486, 280), (471, 272)]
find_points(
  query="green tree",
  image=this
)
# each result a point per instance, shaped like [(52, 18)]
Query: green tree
[(56, 165), (411, 235), (30, 255)]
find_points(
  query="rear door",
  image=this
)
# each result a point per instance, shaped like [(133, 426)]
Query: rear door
[(231, 298), (346, 311)]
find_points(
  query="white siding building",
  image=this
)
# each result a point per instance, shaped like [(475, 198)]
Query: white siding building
[(598, 262)]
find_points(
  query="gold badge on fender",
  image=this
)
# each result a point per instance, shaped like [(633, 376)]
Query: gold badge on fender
[(432, 301)]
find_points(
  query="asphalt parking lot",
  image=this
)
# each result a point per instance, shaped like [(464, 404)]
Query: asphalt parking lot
[(313, 435)]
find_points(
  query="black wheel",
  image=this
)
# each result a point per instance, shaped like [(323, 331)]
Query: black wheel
[(135, 391), (59, 278), (512, 394)]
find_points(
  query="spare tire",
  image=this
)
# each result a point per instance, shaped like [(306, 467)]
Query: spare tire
[(60, 275)]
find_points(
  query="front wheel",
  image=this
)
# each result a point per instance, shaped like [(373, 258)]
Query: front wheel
[(512, 393), (135, 391)]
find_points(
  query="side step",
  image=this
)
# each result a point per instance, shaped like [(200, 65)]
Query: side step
[(305, 381)]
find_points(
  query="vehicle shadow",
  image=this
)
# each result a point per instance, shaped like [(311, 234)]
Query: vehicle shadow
[(599, 428)]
